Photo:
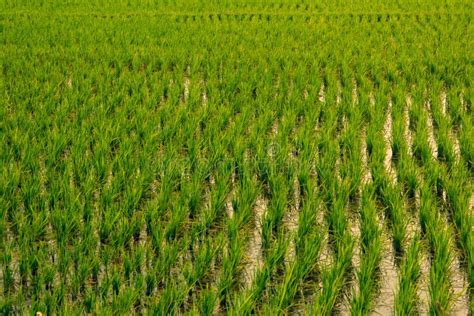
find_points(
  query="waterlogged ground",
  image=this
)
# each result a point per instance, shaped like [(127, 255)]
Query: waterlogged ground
[(236, 157)]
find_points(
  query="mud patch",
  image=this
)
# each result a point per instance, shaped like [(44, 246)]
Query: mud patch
[(366, 173), (387, 132), (385, 302), (322, 94), (460, 287), (407, 132), (291, 223), (254, 258), (431, 135), (186, 84)]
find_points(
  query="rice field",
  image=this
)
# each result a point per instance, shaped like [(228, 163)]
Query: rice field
[(236, 157)]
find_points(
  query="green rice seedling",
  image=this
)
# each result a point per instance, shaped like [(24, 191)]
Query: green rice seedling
[(437, 235), (170, 300), (464, 136), (230, 266), (392, 198), (458, 198), (307, 244), (333, 279), (274, 217), (8, 281), (249, 301), (406, 299), (371, 245), (389, 193), (297, 272), (307, 215), (206, 303)]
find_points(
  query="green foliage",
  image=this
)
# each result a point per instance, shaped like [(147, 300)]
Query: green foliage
[(138, 140)]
